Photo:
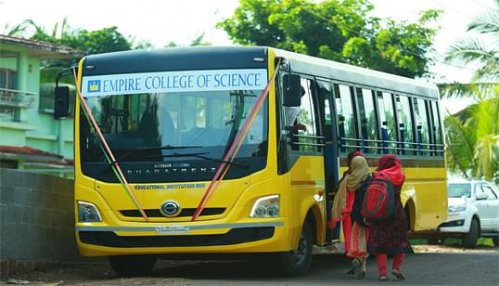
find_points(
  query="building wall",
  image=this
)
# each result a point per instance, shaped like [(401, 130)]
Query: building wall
[(36, 218)]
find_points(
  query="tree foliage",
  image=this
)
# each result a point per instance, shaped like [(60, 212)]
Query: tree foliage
[(472, 136), (475, 153), (91, 42), (340, 30)]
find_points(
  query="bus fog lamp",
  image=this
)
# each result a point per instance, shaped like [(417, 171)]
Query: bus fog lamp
[(88, 212), (266, 207)]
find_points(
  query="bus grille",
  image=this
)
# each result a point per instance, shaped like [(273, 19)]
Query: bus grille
[(234, 236), (187, 212)]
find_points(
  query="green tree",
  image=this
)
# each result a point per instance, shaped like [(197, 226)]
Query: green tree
[(473, 134), (473, 138), (337, 30), (91, 42)]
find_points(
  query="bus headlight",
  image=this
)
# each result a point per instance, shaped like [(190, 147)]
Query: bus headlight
[(88, 212), (266, 207)]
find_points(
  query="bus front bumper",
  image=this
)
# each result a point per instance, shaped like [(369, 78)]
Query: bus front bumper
[(225, 238)]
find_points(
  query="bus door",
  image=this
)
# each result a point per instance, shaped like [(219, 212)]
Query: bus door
[(331, 157)]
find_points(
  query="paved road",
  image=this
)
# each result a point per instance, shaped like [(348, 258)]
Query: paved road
[(435, 268)]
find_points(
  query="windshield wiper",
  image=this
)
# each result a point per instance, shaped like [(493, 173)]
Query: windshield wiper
[(165, 147), (200, 155)]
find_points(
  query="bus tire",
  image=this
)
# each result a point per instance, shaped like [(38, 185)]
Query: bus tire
[(469, 240), (297, 262), (132, 265)]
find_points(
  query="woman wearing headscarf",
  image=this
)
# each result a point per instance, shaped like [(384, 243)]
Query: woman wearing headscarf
[(391, 235), (343, 201), (355, 233)]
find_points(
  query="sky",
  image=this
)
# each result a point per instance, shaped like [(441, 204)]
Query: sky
[(181, 21)]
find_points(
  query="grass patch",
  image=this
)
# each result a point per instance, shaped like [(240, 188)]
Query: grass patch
[(418, 241), (453, 241), (483, 241)]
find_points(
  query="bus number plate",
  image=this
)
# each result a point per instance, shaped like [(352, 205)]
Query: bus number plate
[(171, 229)]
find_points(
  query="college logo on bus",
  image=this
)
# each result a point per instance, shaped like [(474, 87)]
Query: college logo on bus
[(170, 209), (93, 86)]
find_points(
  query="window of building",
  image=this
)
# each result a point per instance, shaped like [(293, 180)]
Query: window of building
[(8, 96), (7, 78)]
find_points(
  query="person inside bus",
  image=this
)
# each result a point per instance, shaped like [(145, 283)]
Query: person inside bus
[(356, 233), (167, 128), (292, 123), (292, 119), (390, 236)]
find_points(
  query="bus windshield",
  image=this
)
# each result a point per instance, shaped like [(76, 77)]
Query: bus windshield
[(177, 128)]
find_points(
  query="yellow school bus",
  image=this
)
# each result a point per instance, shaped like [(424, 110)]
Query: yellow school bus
[(236, 150)]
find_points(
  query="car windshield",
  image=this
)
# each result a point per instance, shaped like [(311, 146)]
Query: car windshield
[(459, 190)]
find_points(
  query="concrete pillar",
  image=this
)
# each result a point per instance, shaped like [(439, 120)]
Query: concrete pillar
[(22, 71), (22, 79)]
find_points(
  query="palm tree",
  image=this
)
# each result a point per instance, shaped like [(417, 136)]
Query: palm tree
[(482, 48), (473, 134), (473, 138)]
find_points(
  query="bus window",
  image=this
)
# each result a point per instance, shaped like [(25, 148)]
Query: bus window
[(347, 131), (368, 120), (406, 146), (388, 124), (325, 95), (422, 127), (307, 121), (436, 130)]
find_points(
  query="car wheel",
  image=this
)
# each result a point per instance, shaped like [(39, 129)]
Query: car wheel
[(297, 262), (469, 240), (495, 239), (132, 265)]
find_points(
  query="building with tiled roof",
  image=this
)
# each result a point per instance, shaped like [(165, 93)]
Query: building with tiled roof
[(30, 138)]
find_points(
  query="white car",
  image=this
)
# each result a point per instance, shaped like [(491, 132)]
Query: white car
[(473, 211)]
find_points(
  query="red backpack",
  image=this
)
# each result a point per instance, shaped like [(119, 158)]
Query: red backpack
[(378, 203)]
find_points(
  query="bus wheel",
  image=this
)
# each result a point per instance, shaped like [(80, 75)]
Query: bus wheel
[(297, 262), (132, 265), (470, 239)]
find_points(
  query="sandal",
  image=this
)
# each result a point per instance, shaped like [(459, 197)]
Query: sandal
[(355, 266), (398, 274), (359, 268), (383, 278)]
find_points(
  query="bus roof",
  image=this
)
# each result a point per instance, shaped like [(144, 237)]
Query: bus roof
[(175, 59), (352, 74), (200, 58)]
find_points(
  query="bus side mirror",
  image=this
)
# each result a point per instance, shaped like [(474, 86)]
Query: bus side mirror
[(61, 102), (292, 90)]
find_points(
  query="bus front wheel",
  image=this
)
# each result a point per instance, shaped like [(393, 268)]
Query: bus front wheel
[(297, 262), (132, 265)]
